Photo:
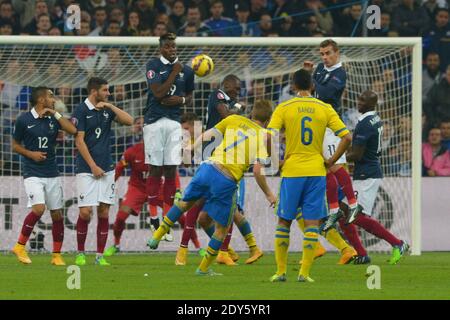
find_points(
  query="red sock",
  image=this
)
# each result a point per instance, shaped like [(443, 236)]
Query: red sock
[(82, 228), (352, 236), (152, 186), (189, 227), (182, 220), (227, 240), (28, 224), (332, 192), (374, 227), (102, 233), (58, 235), (169, 190), (119, 226), (343, 177)]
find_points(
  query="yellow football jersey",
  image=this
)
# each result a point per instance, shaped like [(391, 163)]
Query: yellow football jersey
[(305, 120), (244, 142)]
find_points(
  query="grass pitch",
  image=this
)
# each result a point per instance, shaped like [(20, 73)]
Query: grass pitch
[(415, 277)]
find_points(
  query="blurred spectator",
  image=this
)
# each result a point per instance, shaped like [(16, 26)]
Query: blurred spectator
[(64, 102), (431, 6), (403, 165), (324, 19), (311, 27), (437, 39), (243, 27), (431, 74), (113, 29), (166, 6), (286, 27), (146, 31), (85, 28), (257, 8), (194, 17), (190, 30), (385, 24), (134, 24), (146, 12), (159, 29), (117, 14), (284, 8), (445, 131), (54, 31), (28, 10), (91, 5), (410, 19), (43, 25), (221, 26), (265, 25), (204, 6), (349, 20), (100, 21), (6, 27), (437, 105), (435, 157), (7, 14), (178, 14), (164, 18), (41, 8)]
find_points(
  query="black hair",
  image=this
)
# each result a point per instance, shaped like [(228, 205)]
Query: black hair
[(37, 93), (166, 37), (95, 83), (231, 77), (302, 79)]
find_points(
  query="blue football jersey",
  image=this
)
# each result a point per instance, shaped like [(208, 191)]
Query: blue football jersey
[(38, 134), (96, 124), (330, 84), (158, 70), (368, 133), (215, 98)]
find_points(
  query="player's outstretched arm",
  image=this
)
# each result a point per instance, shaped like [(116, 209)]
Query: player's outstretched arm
[(262, 183), (343, 145), (122, 117), (33, 155), (84, 151), (66, 125)]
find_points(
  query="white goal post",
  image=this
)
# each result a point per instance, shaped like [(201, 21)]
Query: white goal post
[(270, 60)]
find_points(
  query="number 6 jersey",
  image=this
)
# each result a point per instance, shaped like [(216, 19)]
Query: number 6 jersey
[(96, 125)]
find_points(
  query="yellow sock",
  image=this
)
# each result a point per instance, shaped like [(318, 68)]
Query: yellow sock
[(335, 239), (310, 241), (281, 248), (211, 253), (163, 228), (251, 241)]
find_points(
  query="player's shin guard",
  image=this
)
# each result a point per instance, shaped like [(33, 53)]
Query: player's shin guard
[(281, 248), (335, 239), (58, 235), (28, 224), (310, 241), (152, 187), (119, 226), (351, 234), (82, 228), (374, 227), (102, 234), (332, 193), (226, 241), (211, 253), (345, 181), (169, 190)]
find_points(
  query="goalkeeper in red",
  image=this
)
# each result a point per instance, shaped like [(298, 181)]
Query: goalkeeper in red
[(303, 183)]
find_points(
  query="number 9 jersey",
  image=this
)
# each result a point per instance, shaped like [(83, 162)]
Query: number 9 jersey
[(305, 120)]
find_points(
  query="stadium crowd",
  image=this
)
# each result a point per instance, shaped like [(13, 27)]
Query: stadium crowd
[(428, 19)]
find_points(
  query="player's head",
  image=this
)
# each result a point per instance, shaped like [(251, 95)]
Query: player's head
[(98, 89), (231, 84), (329, 52), (262, 111), (42, 97), (367, 101), (188, 122), (168, 47), (302, 80)]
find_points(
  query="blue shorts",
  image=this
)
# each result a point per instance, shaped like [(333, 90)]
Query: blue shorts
[(240, 196), (302, 194), (218, 190)]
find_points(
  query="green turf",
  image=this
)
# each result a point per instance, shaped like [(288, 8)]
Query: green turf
[(423, 277)]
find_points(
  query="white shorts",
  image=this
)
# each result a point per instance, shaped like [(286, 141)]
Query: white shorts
[(46, 191), (92, 191), (366, 193), (330, 144), (162, 143)]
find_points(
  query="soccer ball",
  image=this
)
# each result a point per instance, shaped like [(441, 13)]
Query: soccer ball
[(202, 65)]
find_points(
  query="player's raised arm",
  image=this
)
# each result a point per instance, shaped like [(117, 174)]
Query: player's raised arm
[(66, 125), (122, 116)]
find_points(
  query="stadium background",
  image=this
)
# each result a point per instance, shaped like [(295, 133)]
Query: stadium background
[(309, 18)]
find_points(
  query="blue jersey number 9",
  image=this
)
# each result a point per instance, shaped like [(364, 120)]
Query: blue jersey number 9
[(307, 133)]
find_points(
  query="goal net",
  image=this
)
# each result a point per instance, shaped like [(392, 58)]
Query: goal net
[(264, 67)]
